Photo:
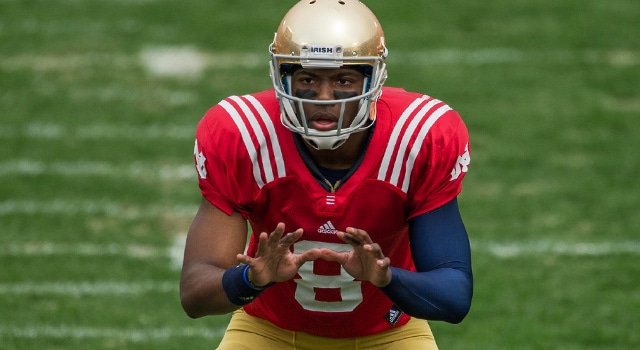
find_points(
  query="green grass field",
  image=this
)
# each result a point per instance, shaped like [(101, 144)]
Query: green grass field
[(99, 100)]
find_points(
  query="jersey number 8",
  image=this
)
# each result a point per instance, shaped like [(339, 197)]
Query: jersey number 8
[(350, 291)]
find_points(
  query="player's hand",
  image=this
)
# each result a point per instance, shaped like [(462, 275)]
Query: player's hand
[(365, 262), (274, 261)]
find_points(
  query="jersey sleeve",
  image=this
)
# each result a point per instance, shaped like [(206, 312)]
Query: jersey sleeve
[(220, 162), (442, 164)]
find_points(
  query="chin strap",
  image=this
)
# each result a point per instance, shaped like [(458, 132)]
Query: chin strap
[(325, 143)]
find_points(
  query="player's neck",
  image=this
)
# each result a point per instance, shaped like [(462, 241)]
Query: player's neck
[(343, 157)]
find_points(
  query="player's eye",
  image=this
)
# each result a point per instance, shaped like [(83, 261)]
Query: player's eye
[(307, 80)]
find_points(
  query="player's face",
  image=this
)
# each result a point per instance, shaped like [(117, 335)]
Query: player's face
[(327, 84)]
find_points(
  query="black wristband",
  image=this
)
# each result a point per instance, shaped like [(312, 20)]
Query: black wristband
[(237, 286)]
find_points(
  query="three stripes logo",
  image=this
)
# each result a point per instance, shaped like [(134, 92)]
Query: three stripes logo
[(331, 200), (327, 229), (393, 316)]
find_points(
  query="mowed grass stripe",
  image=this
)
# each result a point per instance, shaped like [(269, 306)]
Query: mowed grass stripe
[(132, 335)]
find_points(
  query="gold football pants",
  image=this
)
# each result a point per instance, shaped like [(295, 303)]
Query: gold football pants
[(246, 332)]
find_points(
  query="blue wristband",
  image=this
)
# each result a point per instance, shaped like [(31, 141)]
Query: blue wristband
[(237, 286), (245, 277)]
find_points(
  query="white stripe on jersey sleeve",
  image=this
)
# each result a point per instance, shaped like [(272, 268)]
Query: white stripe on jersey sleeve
[(417, 146), (393, 139), (401, 136), (275, 144), (264, 151), (410, 131), (246, 138)]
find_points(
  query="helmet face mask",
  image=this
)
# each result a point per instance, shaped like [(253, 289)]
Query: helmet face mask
[(328, 34)]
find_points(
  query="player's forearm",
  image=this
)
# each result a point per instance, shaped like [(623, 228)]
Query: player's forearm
[(443, 287), (202, 294), (441, 294)]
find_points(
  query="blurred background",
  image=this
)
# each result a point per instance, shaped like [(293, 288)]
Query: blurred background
[(99, 100)]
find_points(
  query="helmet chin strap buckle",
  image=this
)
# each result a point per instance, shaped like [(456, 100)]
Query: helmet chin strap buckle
[(325, 143), (321, 56)]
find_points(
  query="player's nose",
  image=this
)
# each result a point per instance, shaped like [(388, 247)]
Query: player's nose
[(325, 91)]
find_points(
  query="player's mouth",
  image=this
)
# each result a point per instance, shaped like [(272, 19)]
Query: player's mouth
[(324, 124)]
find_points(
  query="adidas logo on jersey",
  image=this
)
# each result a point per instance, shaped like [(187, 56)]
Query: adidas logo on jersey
[(393, 316), (327, 229)]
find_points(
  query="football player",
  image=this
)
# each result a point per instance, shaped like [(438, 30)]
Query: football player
[(349, 189)]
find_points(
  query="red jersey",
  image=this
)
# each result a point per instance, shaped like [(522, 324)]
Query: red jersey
[(248, 162)]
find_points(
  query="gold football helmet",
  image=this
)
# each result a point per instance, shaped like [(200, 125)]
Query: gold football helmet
[(328, 34)]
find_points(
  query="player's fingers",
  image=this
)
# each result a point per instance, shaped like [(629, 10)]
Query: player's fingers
[(263, 244), (244, 259), (291, 238), (276, 235), (384, 263), (374, 254), (374, 248), (309, 255), (331, 255), (360, 235), (349, 238)]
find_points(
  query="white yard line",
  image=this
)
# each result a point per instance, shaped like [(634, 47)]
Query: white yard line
[(98, 131), (48, 248), (175, 251), (545, 247), (34, 167), (138, 251), (83, 332), (91, 207), (78, 289), (160, 60)]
